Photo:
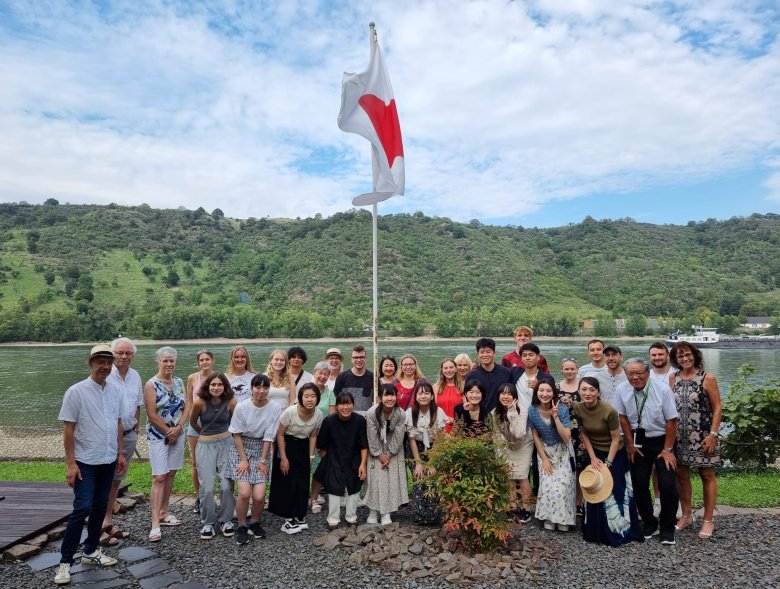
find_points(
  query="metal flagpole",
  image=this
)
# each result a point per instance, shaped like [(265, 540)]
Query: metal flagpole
[(375, 323), (376, 302)]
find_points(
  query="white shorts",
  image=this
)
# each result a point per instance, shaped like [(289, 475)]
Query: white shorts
[(166, 457)]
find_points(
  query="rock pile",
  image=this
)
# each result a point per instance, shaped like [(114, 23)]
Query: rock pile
[(428, 553)]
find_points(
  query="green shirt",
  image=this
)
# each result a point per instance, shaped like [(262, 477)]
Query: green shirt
[(327, 400), (598, 422)]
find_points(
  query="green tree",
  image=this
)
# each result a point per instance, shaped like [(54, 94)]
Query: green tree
[(636, 325), (605, 326), (172, 278)]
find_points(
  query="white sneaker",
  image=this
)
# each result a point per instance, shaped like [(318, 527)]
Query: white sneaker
[(563, 527), (63, 574), (386, 521), (373, 517), (290, 527), (548, 525), (98, 558), (316, 507), (301, 523)]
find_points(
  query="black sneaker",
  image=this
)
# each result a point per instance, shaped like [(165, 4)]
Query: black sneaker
[(196, 506), (668, 538), (257, 530), (524, 515), (650, 530), (242, 535)]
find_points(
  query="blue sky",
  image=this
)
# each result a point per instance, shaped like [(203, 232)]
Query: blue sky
[(534, 113)]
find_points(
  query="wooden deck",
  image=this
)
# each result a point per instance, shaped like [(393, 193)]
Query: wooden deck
[(31, 508)]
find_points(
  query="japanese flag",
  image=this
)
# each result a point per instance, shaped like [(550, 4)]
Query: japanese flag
[(368, 109)]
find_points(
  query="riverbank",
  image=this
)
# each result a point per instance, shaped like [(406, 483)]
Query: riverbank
[(366, 341)]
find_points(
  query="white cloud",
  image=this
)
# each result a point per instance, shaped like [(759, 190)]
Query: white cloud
[(505, 106)]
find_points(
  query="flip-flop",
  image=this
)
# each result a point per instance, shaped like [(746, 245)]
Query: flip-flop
[(155, 535), (108, 541), (170, 520), (118, 534)]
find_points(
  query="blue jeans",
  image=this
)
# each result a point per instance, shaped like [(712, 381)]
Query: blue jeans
[(90, 499)]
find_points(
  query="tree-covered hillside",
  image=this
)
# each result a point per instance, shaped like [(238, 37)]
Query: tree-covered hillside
[(79, 272)]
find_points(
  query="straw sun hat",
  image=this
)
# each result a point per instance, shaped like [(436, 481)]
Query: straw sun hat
[(596, 484)]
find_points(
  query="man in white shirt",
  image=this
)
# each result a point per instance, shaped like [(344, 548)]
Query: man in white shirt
[(659, 359), (129, 382), (648, 418), (597, 361), (92, 416), (613, 376)]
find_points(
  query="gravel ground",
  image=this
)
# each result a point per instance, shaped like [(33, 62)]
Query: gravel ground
[(743, 554)]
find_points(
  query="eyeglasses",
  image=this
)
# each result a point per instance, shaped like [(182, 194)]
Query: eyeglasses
[(636, 374), (685, 355), (568, 359), (408, 364)]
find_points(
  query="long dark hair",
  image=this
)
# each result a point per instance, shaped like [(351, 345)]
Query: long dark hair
[(535, 398), (433, 409), (507, 387), (386, 390), (227, 392)]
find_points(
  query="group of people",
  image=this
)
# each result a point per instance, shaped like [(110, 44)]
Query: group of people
[(600, 434)]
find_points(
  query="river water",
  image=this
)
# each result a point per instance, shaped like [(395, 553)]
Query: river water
[(33, 379)]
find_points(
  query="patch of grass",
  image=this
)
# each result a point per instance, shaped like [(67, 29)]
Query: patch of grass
[(755, 489), (751, 489), (140, 475)]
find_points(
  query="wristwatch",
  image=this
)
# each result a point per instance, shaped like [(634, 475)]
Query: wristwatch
[(668, 449)]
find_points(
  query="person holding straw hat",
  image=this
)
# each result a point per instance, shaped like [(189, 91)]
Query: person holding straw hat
[(610, 510)]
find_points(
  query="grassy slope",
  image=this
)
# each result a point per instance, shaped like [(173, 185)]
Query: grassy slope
[(428, 263)]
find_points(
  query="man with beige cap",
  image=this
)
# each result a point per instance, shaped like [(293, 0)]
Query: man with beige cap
[(92, 417)]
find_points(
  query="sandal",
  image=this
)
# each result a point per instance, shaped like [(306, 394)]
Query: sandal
[(108, 541), (155, 535), (684, 521), (170, 520), (117, 533), (707, 529)]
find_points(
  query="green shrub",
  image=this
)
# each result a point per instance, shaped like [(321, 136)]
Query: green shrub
[(752, 415), (471, 481)]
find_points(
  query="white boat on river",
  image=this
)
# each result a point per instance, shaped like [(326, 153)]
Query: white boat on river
[(703, 337)]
